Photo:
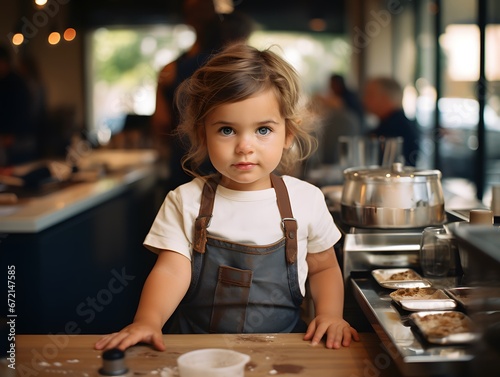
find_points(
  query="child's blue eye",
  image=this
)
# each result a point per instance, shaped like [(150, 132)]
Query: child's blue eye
[(263, 130), (226, 131)]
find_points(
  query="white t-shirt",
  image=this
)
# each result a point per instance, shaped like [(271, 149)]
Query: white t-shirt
[(247, 217)]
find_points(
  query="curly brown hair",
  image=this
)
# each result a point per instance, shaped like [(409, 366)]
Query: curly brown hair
[(236, 73)]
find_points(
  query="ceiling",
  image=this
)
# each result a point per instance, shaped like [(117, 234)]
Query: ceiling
[(271, 14)]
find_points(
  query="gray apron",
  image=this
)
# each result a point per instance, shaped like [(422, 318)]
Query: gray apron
[(237, 288)]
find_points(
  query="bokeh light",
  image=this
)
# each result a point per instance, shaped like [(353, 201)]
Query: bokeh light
[(69, 34), (54, 38), (17, 39)]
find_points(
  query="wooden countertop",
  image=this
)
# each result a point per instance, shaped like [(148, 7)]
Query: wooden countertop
[(271, 354)]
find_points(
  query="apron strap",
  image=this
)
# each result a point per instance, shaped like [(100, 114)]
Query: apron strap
[(288, 222), (204, 215)]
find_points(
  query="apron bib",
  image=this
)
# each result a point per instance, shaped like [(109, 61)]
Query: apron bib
[(237, 288)]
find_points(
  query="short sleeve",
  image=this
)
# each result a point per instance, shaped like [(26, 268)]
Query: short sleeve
[(322, 232), (171, 229)]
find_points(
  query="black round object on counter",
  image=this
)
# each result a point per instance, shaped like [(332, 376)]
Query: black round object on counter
[(113, 363)]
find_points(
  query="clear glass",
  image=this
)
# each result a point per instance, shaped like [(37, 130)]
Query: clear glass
[(435, 252)]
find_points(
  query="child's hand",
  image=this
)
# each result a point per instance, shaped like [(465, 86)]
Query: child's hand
[(338, 332), (131, 335)]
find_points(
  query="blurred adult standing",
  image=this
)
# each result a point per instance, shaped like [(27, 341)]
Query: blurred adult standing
[(350, 98), (383, 97), (17, 125), (213, 31), (337, 119)]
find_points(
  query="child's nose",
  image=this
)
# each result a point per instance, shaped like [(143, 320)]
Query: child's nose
[(244, 145)]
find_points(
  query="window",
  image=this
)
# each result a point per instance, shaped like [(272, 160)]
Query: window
[(122, 72), (124, 63)]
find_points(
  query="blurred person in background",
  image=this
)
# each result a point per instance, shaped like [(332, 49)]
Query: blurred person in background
[(383, 97), (350, 99), (213, 31), (17, 123), (335, 119), (340, 117)]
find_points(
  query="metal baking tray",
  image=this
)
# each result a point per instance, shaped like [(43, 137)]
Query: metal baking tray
[(383, 277), (417, 299), (461, 331), (487, 298), (466, 296)]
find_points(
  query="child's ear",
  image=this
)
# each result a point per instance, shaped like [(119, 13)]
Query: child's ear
[(289, 140)]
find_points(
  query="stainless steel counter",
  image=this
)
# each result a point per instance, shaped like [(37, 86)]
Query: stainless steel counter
[(367, 249), (408, 349)]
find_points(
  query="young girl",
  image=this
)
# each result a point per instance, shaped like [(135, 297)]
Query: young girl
[(235, 250)]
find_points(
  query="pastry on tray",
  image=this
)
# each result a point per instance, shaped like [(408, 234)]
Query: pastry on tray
[(423, 298), (395, 278), (445, 327)]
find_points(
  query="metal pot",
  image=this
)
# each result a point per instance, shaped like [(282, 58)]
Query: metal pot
[(396, 197)]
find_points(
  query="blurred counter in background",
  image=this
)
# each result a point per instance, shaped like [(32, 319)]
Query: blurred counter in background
[(103, 175), (77, 249)]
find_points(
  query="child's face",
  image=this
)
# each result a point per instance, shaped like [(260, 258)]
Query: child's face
[(245, 141)]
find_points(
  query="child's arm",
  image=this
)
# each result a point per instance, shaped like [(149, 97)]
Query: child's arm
[(163, 290), (327, 292)]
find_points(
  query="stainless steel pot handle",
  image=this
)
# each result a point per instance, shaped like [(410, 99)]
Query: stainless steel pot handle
[(397, 167)]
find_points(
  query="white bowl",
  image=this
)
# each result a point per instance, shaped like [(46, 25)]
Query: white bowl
[(212, 362)]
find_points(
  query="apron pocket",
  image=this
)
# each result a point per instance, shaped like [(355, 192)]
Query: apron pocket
[(231, 300)]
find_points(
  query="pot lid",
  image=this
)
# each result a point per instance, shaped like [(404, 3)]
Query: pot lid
[(397, 172)]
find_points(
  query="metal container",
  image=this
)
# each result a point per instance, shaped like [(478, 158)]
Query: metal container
[(480, 243), (392, 198)]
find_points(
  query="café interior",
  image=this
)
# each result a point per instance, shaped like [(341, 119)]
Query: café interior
[(74, 210)]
